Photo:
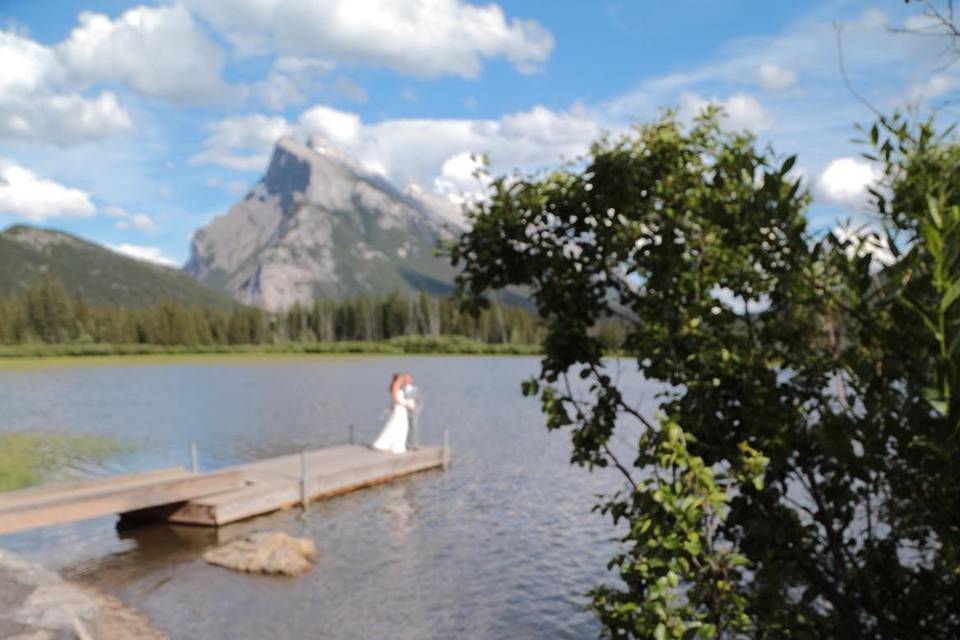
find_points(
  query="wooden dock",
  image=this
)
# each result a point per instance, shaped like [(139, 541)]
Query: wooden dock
[(214, 499)]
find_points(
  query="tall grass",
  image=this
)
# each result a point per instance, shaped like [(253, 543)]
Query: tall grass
[(28, 458)]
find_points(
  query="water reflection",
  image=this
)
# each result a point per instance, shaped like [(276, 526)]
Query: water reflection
[(502, 545), (399, 507)]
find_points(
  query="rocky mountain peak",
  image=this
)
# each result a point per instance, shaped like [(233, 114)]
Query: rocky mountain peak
[(319, 225)]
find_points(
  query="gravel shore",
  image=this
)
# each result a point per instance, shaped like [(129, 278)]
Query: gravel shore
[(37, 604)]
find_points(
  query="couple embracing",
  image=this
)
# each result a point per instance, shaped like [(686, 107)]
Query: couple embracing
[(399, 434)]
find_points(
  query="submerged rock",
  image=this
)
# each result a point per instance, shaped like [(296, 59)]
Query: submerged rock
[(273, 553)]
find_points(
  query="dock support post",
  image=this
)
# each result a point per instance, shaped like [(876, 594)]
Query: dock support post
[(351, 435), (304, 497), (445, 451), (194, 459)]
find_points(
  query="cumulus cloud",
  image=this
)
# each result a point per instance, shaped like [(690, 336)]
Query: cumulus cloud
[(416, 149), (532, 139), (844, 181), (339, 127), (156, 51), (876, 57), (26, 65), (459, 176), (288, 81), (61, 119), (775, 78), (144, 253), (126, 220), (31, 111), (426, 38), (740, 111), (25, 195), (242, 142), (864, 240)]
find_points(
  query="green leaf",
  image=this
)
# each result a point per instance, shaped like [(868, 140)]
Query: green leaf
[(933, 207), (787, 165), (936, 400), (953, 292), (660, 632)]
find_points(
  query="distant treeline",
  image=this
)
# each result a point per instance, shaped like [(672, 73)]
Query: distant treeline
[(46, 313)]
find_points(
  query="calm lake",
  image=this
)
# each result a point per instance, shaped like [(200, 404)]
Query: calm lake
[(501, 545)]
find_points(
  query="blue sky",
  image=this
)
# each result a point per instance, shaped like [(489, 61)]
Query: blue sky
[(133, 124)]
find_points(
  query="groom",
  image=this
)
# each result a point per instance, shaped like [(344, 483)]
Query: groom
[(410, 392)]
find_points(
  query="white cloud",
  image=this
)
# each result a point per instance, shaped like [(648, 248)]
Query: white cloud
[(740, 111), (26, 65), (339, 127), (144, 253), (26, 195), (289, 80), (845, 180), (31, 112), (242, 142), (276, 92), (877, 61), (933, 87), (863, 241), (814, 119), (61, 119), (419, 37), (458, 176), (125, 220), (156, 51), (405, 149), (417, 148), (775, 78)]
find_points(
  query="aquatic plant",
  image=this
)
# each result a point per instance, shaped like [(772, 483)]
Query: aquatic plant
[(29, 458)]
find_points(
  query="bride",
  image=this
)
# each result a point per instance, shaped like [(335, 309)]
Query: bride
[(393, 437)]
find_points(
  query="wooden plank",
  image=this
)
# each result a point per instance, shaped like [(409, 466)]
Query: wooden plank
[(55, 492), (130, 496), (218, 498), (275, 483)]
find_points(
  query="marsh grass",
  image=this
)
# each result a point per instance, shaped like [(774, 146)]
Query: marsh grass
[(29, 458)]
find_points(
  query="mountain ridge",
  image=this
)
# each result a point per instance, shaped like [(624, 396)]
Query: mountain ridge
[(320, 225), (100, 274)]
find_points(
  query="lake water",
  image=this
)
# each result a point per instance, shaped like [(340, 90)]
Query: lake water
[(501, 545)]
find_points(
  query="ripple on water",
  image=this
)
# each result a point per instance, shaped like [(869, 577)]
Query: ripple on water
[(502, 545)]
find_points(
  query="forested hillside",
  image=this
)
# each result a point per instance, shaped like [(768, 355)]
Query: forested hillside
[(100, 275), (47, 313)]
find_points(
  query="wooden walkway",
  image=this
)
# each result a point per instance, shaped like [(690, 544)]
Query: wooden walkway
[(218, 498)]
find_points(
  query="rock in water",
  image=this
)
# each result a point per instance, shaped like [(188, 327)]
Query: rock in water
[(273, 553)]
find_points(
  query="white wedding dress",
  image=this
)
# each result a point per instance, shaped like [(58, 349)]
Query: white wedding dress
[(393, 437)]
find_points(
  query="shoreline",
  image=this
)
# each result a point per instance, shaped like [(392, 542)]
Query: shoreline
[(405, 346), (38, 603)]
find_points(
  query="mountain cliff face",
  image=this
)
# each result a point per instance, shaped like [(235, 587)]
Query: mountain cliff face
[(318, 225)]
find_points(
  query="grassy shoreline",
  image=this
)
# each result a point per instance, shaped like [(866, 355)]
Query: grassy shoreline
[(405, 345), (28, 458)]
